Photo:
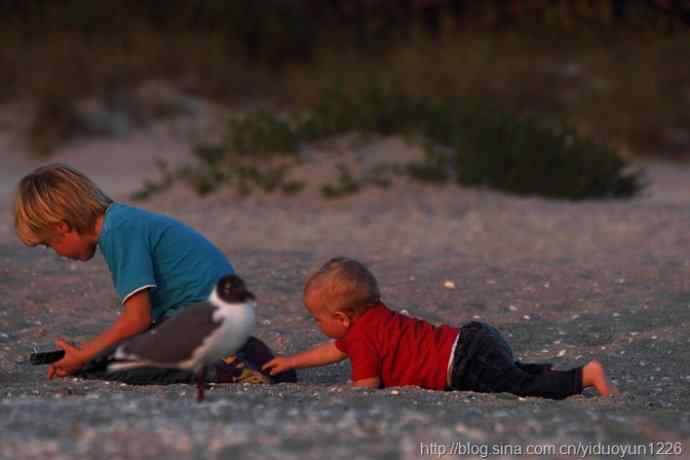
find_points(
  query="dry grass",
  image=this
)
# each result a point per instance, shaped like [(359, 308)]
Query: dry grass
[(631, 94), (627, 85)]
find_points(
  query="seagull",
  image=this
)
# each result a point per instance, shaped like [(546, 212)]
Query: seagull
[(199, 335)]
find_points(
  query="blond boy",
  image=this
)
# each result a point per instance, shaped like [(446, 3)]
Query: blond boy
[(387, 348), (158, 265)]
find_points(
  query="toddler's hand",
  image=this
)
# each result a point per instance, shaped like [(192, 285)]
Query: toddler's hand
[(68, 365), (278, 365)]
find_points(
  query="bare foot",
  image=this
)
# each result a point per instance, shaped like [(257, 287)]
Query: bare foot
[(593, 375)]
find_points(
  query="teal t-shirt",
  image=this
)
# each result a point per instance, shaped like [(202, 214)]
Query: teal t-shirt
[(148, 250)]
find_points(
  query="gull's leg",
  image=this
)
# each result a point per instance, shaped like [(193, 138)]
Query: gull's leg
[(200, 383)]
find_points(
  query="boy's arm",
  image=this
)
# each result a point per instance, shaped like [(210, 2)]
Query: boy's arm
[(320, 355), (135, 319), (373, 382)]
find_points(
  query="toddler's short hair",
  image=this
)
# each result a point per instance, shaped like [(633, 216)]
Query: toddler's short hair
[(52, 194), (345, 285)]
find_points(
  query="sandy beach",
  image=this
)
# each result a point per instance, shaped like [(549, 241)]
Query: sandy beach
[(566, 282)]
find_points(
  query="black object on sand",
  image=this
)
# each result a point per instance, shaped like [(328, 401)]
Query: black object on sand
[(196, 337), (38, 358)]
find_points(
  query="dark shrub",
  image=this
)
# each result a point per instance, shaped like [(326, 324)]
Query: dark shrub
[(472, 142)]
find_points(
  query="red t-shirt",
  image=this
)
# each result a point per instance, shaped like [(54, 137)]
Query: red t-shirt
[(398, 349)]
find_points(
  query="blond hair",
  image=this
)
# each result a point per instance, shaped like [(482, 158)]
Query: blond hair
[(52, 194), (344, 285)]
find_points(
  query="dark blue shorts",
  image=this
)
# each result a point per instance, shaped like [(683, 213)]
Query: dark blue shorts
[(484, 362)]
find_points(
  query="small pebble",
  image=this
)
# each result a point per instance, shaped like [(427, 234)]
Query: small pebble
[(449, 284), (561, 353)]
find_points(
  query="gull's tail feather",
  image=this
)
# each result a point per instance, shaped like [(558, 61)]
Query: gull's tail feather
[(126, 365)]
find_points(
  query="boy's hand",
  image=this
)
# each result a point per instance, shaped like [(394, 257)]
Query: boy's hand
[(278, 365), (68, 365)]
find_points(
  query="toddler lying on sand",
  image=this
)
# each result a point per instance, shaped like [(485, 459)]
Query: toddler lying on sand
[(387, 348)]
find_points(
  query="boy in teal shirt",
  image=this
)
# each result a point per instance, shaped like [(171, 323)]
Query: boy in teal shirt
[(148, 251), (158, 264)]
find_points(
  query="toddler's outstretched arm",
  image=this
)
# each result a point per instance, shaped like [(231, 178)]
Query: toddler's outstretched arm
[(320, 355)]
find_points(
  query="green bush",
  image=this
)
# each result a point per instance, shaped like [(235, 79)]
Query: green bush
[(524, 157), (349, 183), (494, 148), (470, 142), (375, 109), (261, 133)]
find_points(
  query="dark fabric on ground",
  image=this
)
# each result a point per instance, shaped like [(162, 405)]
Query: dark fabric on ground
[(255, 352), (251, 356), (484, 362)]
